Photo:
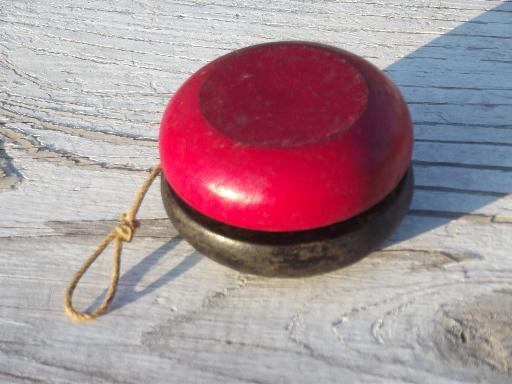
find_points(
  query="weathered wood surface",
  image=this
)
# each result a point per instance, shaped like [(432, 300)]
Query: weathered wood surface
[(82, 87)]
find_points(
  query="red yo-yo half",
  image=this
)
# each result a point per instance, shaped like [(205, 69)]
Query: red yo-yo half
[(286, 159)]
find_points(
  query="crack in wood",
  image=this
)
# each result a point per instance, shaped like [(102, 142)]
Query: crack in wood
[(97, 134), (23, 378), (41, 152)]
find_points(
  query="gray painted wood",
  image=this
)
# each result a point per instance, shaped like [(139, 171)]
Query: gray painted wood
[(82, 87)]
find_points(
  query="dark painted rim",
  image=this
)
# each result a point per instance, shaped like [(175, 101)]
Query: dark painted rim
[(290, 254)]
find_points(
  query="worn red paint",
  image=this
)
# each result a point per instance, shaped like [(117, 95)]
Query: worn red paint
[(285, 137)]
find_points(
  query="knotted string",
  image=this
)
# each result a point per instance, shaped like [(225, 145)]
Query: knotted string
[(123, 232)]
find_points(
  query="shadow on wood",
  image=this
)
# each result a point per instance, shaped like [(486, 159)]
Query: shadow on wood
[(463, 147), (127, 292), (10, 177)]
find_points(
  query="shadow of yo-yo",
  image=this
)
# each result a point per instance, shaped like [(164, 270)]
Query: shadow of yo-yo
[(459, 90)]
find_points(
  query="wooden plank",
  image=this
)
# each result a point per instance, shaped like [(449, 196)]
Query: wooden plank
[(82, 88)]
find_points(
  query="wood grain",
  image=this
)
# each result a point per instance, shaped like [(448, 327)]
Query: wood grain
[(82, 88)]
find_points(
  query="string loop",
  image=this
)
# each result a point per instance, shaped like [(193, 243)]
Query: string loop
[(122, 232)]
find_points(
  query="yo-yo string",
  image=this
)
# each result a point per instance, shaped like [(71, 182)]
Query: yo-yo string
[(122, 232)]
